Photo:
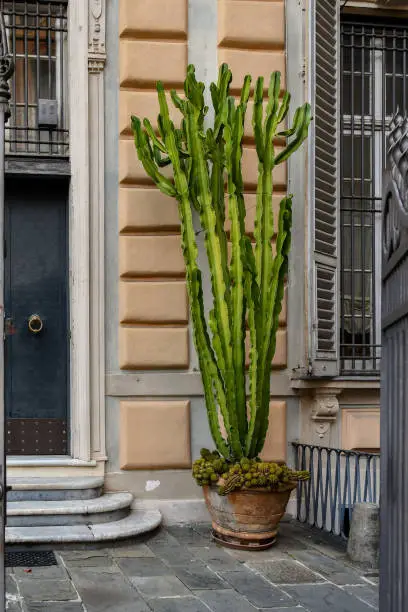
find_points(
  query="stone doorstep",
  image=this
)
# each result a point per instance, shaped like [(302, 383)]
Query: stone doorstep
[(137, 523), (75, 512), (32, 488), (33, 483), (108, 502)]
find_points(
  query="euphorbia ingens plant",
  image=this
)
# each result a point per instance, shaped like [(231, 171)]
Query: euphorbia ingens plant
[(247, 284)]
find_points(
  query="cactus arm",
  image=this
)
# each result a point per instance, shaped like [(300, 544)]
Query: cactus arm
[(253, 358), (301, 130), (292, 130), (209, 372), (216, 264), (264, 234), (146, 157), (272, 108), (160, 161), (177, 101), (257, 118), (237, 276), (284, 107), (252, 300), (215, 149), (233, 135), (280, 269), (214, 255), (219, 94), (217, 190), (150, 132)]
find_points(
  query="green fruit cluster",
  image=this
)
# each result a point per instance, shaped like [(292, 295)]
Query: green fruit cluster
[(210, 466), (212, 469)]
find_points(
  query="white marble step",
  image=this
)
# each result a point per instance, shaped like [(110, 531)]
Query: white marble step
[(54, 489), (107, 508), (137, 523)]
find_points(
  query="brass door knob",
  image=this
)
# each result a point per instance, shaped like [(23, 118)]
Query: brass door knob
[(35, 324)]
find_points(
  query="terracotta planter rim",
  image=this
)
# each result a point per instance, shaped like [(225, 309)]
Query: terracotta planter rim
[(290, 487)]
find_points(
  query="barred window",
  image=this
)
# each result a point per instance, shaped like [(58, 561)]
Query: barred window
[(37, 34), (374, 83)]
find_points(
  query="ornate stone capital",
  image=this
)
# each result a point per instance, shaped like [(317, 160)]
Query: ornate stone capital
[(325, 408), (97, 35), (325, 404)]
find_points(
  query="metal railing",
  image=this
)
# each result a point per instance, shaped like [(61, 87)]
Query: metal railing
[(338, 479), (38, 41)]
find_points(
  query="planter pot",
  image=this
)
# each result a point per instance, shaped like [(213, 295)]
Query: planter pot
[(246, 519)]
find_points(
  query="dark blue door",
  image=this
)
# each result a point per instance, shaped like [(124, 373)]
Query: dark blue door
[(36, 354)]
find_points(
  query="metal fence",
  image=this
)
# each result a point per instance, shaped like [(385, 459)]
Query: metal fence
[(394, 374), (338, 479)]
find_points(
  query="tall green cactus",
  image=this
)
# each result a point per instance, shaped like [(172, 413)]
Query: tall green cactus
[(247, 286)]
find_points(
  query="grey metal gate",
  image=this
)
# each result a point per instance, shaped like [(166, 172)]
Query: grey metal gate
[(394, 374)]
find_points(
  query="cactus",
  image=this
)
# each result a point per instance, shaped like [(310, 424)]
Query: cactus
[(246, 286)]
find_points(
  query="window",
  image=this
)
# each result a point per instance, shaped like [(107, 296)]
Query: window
[(359, 79), (374, 83), (37, 33)]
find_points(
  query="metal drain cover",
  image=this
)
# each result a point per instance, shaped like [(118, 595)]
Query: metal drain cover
[(29, 558)]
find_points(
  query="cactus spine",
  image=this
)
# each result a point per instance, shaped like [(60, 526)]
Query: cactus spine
[(246, 286)]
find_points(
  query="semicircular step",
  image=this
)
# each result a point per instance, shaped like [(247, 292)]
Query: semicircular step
[(135, 524)]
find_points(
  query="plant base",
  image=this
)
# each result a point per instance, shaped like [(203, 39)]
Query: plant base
[(246, 519), (234, 540)]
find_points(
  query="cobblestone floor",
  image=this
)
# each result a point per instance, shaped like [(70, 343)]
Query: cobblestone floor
[(181, 570)]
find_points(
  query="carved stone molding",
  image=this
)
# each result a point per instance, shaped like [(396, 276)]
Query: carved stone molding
[(97, 35), (320, 409), (325, 408)]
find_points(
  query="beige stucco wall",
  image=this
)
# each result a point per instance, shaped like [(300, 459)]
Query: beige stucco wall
[(154, 332), (153, 46), (360, 419)]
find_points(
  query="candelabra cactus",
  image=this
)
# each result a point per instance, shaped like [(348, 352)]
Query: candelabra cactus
[(247, 285)]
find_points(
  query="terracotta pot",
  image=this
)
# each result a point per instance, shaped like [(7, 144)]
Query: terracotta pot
[(246, 519)]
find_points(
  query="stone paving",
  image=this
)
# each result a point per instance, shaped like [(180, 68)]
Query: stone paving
[(179, 569)]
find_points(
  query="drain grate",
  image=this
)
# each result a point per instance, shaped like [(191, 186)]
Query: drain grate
[(29, 558)]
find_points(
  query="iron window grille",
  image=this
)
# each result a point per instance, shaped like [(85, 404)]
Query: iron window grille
[(38, 39), (374, 83)]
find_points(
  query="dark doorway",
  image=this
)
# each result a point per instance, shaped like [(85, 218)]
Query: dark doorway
[(36, 304)]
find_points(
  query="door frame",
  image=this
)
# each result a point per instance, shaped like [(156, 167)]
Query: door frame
[(86, 58)]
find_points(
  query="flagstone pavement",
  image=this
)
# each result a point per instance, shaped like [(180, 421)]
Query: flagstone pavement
[(179, 569)]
